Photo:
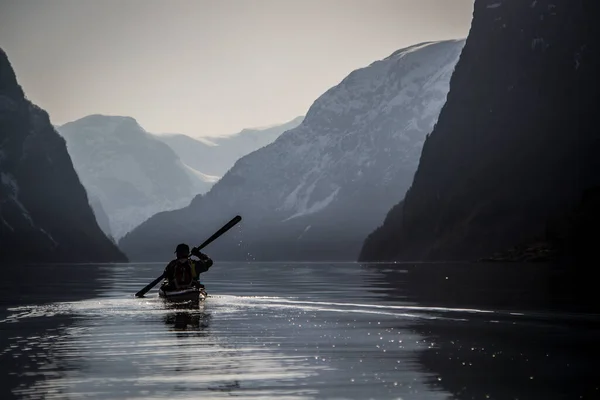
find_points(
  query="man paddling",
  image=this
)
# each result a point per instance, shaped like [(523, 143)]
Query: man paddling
[(184, 272), (208, 241)]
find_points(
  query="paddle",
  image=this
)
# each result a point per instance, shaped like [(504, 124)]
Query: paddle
[(208, 241)]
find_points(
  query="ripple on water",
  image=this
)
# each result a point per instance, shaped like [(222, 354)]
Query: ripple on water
[(295, 333), (262, 346)]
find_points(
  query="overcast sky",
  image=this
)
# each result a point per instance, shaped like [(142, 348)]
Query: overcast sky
[(206, 68)]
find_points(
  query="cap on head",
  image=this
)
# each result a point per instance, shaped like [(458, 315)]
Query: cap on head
[(182, 250)]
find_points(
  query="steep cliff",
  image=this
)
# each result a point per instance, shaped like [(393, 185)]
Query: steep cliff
[(517, 141), (44, 209)]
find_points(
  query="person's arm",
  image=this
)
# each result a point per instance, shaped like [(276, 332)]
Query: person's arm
[(204, 262)]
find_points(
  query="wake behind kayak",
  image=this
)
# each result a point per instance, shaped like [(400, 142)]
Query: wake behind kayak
[(180, 295)]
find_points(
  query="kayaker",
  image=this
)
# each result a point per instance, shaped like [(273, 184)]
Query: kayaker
[(184, 272)]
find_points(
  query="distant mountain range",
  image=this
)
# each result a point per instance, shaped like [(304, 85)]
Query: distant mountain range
[(320, 188), (127, 171), (216, 155), (131, 174)]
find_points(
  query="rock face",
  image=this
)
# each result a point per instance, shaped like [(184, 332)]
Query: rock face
[(214, 156), (44, 211), (128, 172), (516, 143), (316, 191), (101, 217)]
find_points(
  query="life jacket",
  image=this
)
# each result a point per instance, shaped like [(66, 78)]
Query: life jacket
[(183, 274)]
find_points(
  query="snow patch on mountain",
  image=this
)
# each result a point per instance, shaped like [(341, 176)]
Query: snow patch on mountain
[(205, 178), (302, 209)]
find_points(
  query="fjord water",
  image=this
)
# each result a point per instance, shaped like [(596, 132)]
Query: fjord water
[(277, 330)]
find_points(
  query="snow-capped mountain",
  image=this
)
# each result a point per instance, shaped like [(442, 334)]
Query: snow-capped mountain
[(215, 155), (317, 190), (128, 172), (45, 215)]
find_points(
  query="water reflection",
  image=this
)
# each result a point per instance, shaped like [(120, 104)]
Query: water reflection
[(480, 359), (187, 317), (192, 319), (522, 344), (317, 331), (187, 321), (26, 346)]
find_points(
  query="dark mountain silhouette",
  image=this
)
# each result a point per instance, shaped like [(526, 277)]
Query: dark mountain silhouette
[(44, 210), (516, 144)]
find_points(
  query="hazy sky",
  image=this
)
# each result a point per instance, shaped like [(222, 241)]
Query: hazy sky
[(206, 68)]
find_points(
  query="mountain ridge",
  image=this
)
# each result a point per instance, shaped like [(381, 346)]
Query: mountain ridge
[(303, 195), (215, 155)]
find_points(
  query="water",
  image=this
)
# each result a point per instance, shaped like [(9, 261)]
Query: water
[(334, 331)]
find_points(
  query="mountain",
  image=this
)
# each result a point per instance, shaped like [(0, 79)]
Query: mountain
[(516, 145), (320, 188), (127, 171), (215, 155), (44, 211)]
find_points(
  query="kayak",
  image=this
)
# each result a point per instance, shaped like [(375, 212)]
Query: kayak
[(190, 294)]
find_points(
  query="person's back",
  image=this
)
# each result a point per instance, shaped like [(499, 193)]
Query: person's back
[(183, 272)]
